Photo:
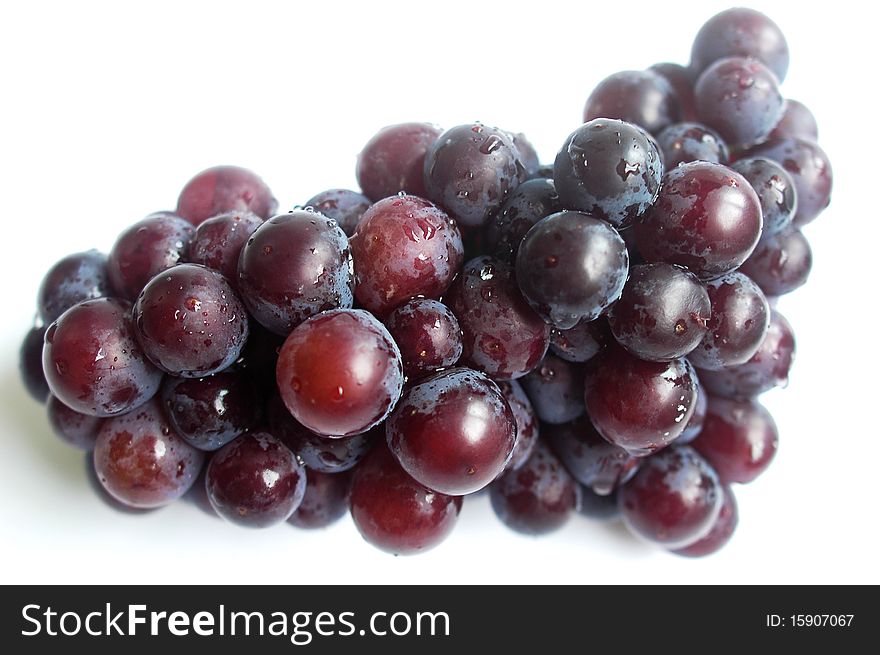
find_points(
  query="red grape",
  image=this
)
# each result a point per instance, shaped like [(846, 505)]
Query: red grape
[(224, 189)]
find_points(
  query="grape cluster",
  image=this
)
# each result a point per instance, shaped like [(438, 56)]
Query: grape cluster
[(588, 336)]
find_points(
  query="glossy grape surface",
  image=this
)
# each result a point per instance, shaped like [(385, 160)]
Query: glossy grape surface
[(394, 160), (342, 205), (582, 342), (681, 79), (781, 263), (78, 277), (30, 364), (556, 389), (775, 189), (428, 335), (682, 143), (75, 429), (532, 201), (644, 98), (527, 427), (218, 242), (721, 532), (797, 121), (224, 189), (325, 501)]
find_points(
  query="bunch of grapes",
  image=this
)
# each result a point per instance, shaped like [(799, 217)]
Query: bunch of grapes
[(586, 336)]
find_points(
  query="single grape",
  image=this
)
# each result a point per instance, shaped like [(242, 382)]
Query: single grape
[(470, 170), (582, 342), (597, 507), (556, 389), (325, 501), (190, 322), (395, 513), (343, 206), (93, 361), (218, 241), (695, 423), (404, 247), (145, 249), (527, 426), (319, 453), (721, 532), (739, 320), (594, 462), (75, 429), (453, 432), (642, 97), (527, 154), (78, 277), (739, 439), (662, 314), (294, 266), (30, 364), (501, 334), (681, 79), (529, 203), (768, 367), (571, 267), (255, 481), (706, 218), (810, 169), (225, 189), (740, 99), (539, 497), (674, 499), (210, 412), (781, 263), (637, 405), (775, 189), (683, 143), (609, 169), (428, 335), (741, 32), (340, 373), (797, 121), (141, 462), (394, 160)]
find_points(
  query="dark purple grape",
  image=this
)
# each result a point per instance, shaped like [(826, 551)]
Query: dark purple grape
[(394, 160), (609, 169), (30, 364), (556, 389), (532, 201), (775, 189), (695, 423), (582, 342), (739, 320), (404, 247), (641, 97), (797, 121), (147, 248), (682, 143), (140, 460), (740, 99), (571, 267), (225, 189), (768, 368), (527, 427), (597, 507), (539, 497), (674, 499), (471, 169), (453, 432), (218, 242), (781, 263), (721, 532), (707, 218), (294, 266), (637, 405), (340, 373), (741, 32), (502, 335), (594, 462), (810, 169), (75, 278), (255, 481), (325, 501), (527, 154), (662, 314), (739, 439), (93, 361), (343, 206), (319, 453), (75, 429), (395, 513), (190, 322), (210, 412), (428, 335), (681, 79)]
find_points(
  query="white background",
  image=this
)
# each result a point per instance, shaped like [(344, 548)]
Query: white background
[(107, 109)]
